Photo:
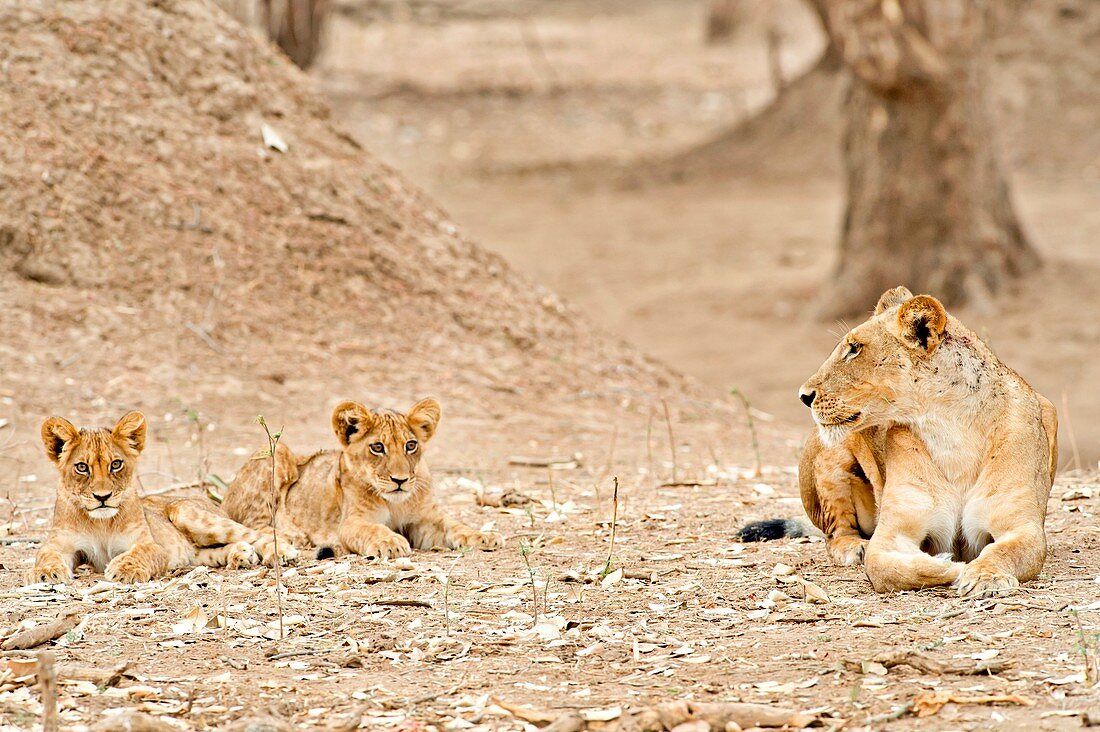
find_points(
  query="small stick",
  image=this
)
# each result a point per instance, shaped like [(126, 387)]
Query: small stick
[(1069, 431), (40, 634), (525, 550), (47, 682), (757, 469), (649, 444), (553, 493), (273, 443), (614, 526), (671, 439), (400, 602)]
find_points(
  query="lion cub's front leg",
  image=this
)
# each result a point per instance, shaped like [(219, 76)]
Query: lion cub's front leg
[(360, 535), (54, 562), (435, 529), (140, 563)]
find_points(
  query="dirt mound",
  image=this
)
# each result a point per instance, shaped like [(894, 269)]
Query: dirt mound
[(1044, 71), (156, 244)]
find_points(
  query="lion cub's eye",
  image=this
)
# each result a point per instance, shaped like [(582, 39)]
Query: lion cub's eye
[(82, 468), (853, 350), (378, 448), (116, 465), (411, 446)]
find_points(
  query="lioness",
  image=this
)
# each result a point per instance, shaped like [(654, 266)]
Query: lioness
[(372, 497), (931, 447), (100, 519)]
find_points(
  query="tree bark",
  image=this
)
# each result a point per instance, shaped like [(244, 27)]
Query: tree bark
[(928, 202)]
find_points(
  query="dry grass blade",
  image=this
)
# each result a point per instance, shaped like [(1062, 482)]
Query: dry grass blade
[(671, 439)]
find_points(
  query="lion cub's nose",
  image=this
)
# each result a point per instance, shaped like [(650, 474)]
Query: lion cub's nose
[(399, 481), (807, 396), (101, 498)]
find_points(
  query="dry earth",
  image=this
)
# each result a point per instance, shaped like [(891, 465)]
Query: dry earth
[(158, 255)]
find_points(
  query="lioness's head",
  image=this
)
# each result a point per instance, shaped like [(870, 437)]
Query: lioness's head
[(96, 465), (866, 379), (383, 448)]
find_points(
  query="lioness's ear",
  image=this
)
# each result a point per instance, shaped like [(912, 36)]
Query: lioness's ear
[(350, 419), (424, 418), (922, 321), (57, 433), (130, 431), (893, 297)]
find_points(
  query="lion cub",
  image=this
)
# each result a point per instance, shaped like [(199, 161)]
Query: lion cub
[(100, 519), (373, 497)]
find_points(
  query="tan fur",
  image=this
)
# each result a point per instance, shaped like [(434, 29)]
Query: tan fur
[(918, 418), (101, 520), (373, 497)]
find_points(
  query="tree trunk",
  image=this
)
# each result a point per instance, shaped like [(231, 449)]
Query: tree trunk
[(928, 201)]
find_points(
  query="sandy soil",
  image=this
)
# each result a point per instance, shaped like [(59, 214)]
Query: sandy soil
[(713, 276)]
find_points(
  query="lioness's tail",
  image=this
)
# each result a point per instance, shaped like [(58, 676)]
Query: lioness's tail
[(772, 529)]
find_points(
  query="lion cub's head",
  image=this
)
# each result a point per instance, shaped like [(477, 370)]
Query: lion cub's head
[(96, 465), (384, 449), (877, 367)]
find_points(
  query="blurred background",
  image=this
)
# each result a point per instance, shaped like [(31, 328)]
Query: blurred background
[(675, 169)]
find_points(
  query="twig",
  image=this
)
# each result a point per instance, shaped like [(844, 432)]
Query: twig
[(553, 492), (614, 527), (205, 338), (649, 445), (273, 444), (47, 682), (671, 439), (757, 469), (36, 636), (1069, 431), (447, 595), (525, 550), (400, 602), (928, 665), (545, 462), (690, 484)]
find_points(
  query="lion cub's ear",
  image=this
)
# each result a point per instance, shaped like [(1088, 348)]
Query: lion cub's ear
[(130, 432), (57, 434), (893, 297), (424, 417), (921, 322), (350, 419)]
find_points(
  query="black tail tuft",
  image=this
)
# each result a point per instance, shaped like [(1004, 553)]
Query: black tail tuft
[(770, 530), (325, 552)]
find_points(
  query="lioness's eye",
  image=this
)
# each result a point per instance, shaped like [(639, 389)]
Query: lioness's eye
[(378, 448), (411, 446), (116, 465), (81, 468), (853, 350)]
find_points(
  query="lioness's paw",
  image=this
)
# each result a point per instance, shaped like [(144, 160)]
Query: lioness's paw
[(486, 541), (976, 582), (846, 551), (52, 571), (128, 569), (384, 547), (241, 554)]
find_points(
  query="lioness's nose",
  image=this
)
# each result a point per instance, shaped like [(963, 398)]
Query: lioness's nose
[(807, 396), (101, 498), (399, 481)]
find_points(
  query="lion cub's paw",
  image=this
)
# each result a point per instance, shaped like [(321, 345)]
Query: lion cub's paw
[(384, 547), (288, 554), (241, 554), (128, 569), (486, 541), (52, 570), (846, 551), (976, 582)]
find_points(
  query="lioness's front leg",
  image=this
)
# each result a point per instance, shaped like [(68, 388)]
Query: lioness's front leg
[(907, 509), (1014, 519), (360, 535), (140, 563), (435, 529)]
